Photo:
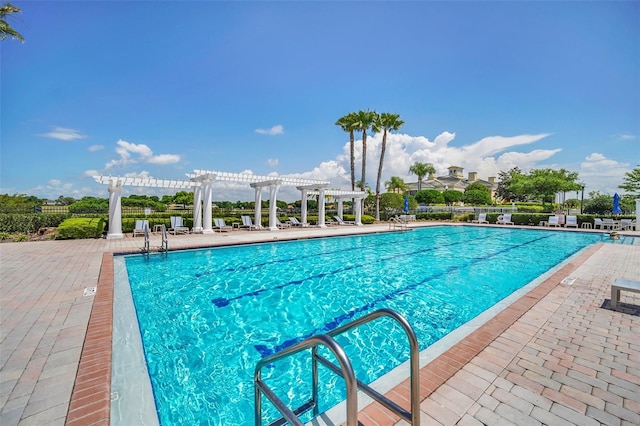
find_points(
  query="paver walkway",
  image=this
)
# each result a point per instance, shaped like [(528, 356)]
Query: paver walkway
[(565, 361)]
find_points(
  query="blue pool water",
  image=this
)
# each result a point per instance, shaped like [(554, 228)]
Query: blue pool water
[(207, 316)]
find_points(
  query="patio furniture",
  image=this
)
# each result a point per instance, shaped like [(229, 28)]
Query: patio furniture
[(622, 284)]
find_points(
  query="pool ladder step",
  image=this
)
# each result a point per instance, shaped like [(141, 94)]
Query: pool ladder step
[(345, 370)]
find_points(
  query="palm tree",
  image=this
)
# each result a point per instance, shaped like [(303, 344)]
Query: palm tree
[(385, 122), (5, 28), (421, 170), (347, 123), (364, 120), (396, 184)]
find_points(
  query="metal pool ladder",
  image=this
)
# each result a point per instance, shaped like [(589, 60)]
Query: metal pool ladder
[(345, 370), (165, 240)]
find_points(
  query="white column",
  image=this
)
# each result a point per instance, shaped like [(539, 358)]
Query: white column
[(207, 189), (359, 203), (340, 208), (303, 206), (115, 210), (321, 203), (273, 192), (257, 215), (197, 209), (637, 214)]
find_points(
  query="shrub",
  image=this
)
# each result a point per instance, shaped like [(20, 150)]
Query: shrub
[(29, 223), (81, 227)]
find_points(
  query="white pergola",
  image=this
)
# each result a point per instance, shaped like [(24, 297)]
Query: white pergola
[(202, 181)]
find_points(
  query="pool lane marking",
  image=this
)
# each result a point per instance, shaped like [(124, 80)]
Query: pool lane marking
[(342, 250), (223, 301), (337, 321)]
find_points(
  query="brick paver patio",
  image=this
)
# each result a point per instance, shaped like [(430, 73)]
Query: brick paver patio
[(556, 356)]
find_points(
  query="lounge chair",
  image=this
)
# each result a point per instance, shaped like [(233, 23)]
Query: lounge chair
[(140, 227), (281, 225), (247, 223), (294, 221), (504, 219), (627, 224), (177, 225), (572, 222), (482, 218), (608, 224), (221, 226), (343, 222), (553, 221), (597, 223)]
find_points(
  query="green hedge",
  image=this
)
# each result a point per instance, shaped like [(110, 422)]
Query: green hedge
[(29, 223), (81, 227), (434, 216)]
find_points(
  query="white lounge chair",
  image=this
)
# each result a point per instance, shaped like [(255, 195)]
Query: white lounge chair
[(177, 225), (294, 221), (482, 218), (553, 221), (221, 226), (247, 223), (597, 223), (627, 224), (608, 224), (343, 222), (504, 219), (572, 222), (140, 227), (281, 225)]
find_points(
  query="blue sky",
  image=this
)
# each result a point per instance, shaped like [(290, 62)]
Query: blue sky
[(158, 89)]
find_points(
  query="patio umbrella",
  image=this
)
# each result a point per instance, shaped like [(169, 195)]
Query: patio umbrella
[(406, 204), (616, 204)]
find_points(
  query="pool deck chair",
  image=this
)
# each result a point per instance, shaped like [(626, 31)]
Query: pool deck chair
[(247, 223), (294, 221), (597, 223), (608, 224), (343, 222), (482, 218), (504, 219), (221, 226), (572, 221), (554, 221), (177, 225), (622, 284), (281, 225), (140, 226)]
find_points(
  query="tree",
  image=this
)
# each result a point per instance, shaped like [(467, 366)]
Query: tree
[(363, 121), (386, 122), (476, 197), (5, 28), (421, 170), (452, 196), (396, 184), (544, 183), (429, 197), (599, 205), (348, 124), (632, 182), (506, 179)]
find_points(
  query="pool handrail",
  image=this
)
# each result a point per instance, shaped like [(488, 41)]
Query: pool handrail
[(165, 239), (412, 416), (288, 414), (146, 238)]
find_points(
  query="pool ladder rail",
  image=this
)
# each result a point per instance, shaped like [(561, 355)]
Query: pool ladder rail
[(165, 240), (397, 222), (345, 370)]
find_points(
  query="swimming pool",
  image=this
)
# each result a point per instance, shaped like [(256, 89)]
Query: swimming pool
[(208, 316)]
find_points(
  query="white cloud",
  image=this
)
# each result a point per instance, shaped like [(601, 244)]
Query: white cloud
[(603, 174), (275, 130), (273, 162), (63, 134), (143, 154), (94, 148), (91, 173), (626, 137)]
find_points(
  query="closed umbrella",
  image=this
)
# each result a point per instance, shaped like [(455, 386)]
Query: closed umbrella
[(406, 204), (616, 204)]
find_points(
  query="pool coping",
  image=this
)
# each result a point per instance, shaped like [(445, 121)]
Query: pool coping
[(91, 397)]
